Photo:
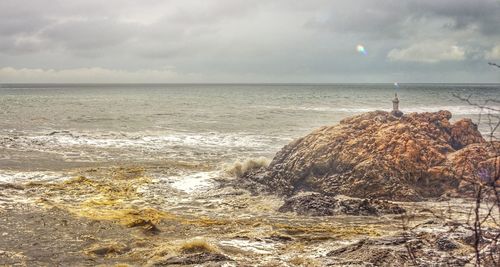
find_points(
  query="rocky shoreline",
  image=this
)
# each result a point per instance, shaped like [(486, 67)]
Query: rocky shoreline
[(375, 190)]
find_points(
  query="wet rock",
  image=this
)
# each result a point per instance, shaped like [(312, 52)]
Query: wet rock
[(312, 204), (396, 251), (197, 258), (368, 207), (366, 253), (106, 249), (446, 244), (148, 227), (374, 155), (488, 235), (11, 186), (281, 237), (320, 205)]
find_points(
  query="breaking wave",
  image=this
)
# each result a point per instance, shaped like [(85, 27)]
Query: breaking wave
[(108, 146), (239, 168)]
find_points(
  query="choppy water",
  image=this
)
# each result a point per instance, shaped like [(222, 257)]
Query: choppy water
[(42, 126)]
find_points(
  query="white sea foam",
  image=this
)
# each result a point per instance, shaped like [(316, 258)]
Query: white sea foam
[(91, 147), (151, 141), (194, 182), (22, 177)]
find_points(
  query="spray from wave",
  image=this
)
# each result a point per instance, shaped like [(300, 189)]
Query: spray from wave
[(239, 168)]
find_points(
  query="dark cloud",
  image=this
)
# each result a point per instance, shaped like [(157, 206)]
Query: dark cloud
[(392, 18), (239, 39), (483, 14), (90, 34)]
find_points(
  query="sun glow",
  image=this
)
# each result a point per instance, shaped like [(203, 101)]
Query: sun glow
[(361, 49)]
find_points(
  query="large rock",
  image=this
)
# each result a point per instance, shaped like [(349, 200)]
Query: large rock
[(375, 155)]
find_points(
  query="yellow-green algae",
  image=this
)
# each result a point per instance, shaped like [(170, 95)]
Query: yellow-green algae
[(112, 199)]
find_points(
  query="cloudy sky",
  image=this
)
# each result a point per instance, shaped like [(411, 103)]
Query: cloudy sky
[(249, 41)]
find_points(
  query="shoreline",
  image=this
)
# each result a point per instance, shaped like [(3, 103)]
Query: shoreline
[(235, 223)]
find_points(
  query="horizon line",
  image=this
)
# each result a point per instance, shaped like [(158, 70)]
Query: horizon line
[(238, 83)]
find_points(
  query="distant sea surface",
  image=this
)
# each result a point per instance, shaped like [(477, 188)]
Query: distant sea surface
[(45, 127)]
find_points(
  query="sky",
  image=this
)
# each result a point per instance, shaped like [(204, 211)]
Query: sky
[(242, 41)]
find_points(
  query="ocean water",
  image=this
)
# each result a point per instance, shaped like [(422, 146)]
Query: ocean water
[(52, 127)]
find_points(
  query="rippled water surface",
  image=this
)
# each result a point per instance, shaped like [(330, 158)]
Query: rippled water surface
[(209, 123)]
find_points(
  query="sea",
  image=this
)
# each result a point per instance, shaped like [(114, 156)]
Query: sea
[(55, 127)]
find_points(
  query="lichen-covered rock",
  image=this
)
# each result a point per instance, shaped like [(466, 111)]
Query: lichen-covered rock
[(476, 163), (373, 155), (464, 132)]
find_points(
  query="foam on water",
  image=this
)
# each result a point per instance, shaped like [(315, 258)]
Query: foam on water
[(194, 182), (22, 177), (103, 146), (117, 140)]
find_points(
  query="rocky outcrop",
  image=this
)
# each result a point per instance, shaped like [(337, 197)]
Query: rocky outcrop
[(321, 205), (377, 155)]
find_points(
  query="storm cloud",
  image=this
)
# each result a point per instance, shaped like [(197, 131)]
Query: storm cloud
[(248, 41)]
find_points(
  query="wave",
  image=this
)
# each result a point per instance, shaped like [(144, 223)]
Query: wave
[(112, 146), (119, 140), (239, 168)]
